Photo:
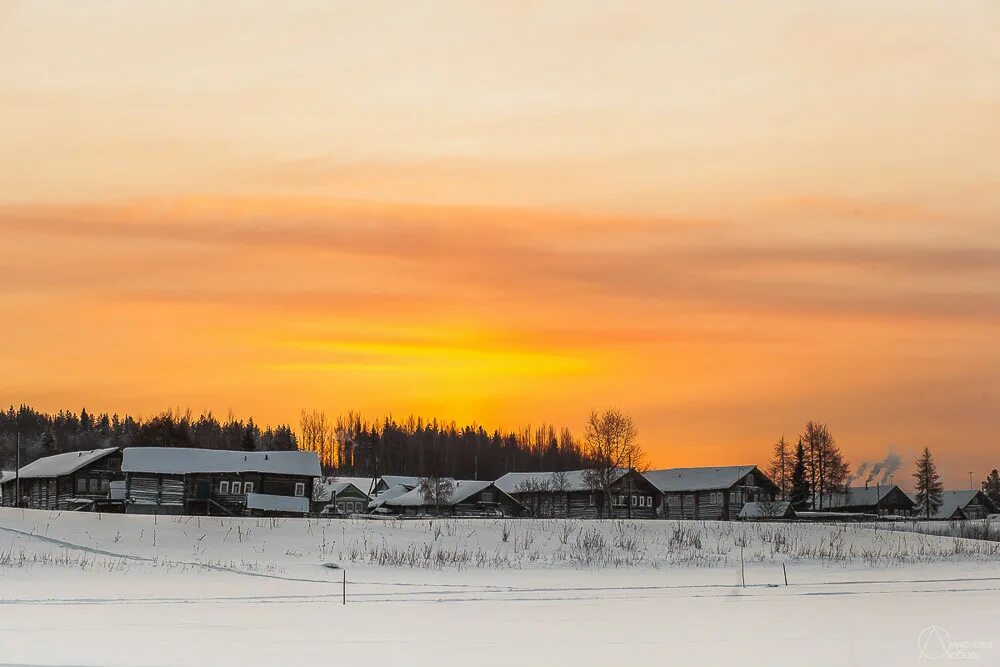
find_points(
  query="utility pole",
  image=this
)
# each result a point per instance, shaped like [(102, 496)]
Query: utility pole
[(17, 471)]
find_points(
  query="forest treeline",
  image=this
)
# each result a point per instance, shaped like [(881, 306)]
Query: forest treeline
[(352, 445), (346, 445)]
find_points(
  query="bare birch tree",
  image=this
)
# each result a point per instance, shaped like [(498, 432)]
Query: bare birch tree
[(612, 446)]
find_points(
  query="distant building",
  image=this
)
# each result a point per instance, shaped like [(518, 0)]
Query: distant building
[(468, 498), (178, 480), (343, 495), (880, 499), (391, 486), (574, 494), (69, 481), (710, 493), (965, 504)]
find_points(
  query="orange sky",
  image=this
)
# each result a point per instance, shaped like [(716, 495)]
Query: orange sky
[(726, 220)]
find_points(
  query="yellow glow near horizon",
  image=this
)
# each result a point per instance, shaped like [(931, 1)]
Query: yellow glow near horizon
[(725, 220)]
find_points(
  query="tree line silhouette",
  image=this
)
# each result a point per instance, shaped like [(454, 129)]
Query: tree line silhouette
[(346, 445)]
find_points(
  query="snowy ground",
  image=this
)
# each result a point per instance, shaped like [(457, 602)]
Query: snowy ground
[(87, 589)]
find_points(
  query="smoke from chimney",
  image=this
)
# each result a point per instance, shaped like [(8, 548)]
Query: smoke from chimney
[(880, 471)]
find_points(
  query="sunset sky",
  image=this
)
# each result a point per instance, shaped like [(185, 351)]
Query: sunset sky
[(726, 219)]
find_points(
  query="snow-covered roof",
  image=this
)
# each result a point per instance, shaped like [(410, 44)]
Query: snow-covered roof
[(408, 481), (324, 487), (765, 510), (954, 500), (183, 460), (394, 491), (463, 488), (5, 475), (61, 464), (267, 502), (575, 480), (697, 479), (858, 496)]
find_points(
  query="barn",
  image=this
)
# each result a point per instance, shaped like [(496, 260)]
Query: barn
[(880, 499), (179, 480), (710, 493), (467, 498), (573, 494), (965, 504), (69, 481)]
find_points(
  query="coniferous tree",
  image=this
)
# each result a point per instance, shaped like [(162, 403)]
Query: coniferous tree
[(991, 486), (928, 484), (800, 491)]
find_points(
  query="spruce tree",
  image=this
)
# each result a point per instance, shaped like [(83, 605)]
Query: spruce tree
[(991, 487), (800, 480), (928, 484)]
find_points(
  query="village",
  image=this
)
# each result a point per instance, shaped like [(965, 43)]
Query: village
[(199, 482)]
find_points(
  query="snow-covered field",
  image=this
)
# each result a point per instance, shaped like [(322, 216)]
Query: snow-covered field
[(89, 589)]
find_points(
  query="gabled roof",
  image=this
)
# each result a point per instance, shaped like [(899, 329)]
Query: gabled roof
[(394, 491), (956, 500), (859, 496), (773, 510), (408, 481), (325, 487), (61, 464), (184, 460), (463, 489), (697, 479), (575, 480)]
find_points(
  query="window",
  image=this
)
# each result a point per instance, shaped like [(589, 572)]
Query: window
[(224, 488), (237, 488), (300, 489), (635, 500), (93, 485), (81, 485), (247, 487), (105, 486)]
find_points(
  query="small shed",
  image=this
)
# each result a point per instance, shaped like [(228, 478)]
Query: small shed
[(767, 510), (180, 480)]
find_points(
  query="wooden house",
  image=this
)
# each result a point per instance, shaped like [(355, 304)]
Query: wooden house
[(69, 481), (710, 493), (341, 496), (876, 499), (467, 498), (965, 504), (177, 480), (391, 486), (575, 494)]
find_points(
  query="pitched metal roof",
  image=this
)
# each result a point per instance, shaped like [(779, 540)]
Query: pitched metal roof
[(955, 500), (61, 464), (697, 479), (859, 496), (463, 488), (574, 480), (184, 460)]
